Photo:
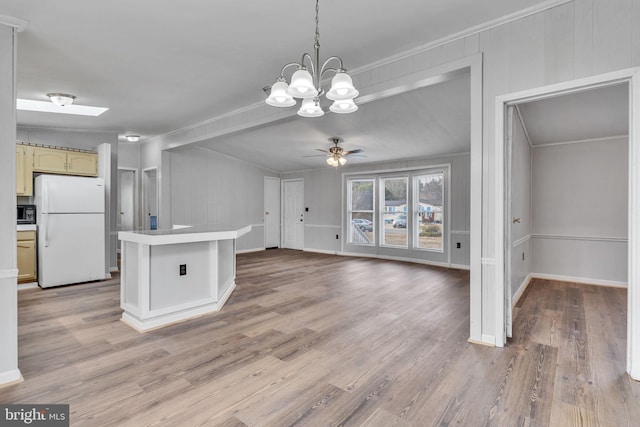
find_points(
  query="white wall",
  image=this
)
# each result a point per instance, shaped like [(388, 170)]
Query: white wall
[(580, 210), (207, 187), (520, 208), (8, 263), (128, 155)]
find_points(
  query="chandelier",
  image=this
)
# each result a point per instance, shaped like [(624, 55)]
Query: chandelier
[(307, 85)]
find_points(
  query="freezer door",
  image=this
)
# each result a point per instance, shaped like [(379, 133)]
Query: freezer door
[(71, 249), (69, 194)]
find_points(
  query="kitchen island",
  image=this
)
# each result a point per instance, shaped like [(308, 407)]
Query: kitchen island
[(168, 276)]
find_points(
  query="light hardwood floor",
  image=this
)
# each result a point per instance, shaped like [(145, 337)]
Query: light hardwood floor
[(315, 340)]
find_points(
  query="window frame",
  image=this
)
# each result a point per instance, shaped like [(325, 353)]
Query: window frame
[(350, 210), (382, 208), (444, 171)]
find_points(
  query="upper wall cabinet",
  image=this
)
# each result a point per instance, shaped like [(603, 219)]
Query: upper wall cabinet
[(51, 160), (82, 163), (24, 170)]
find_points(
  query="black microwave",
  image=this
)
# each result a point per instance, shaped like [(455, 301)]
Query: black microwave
[(26, 214)]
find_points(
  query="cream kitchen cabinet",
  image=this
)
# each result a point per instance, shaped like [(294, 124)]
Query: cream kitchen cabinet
[(24, 170), (26, 256), (52, 160), (82, 163)]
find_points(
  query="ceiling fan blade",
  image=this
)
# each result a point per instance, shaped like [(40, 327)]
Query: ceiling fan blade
[(360, 156), (317, 155), (319, 149), (352, 151)]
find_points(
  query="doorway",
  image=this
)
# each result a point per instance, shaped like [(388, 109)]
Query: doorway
[(126, 200), (271, 212), (293, 214), (505, 219), (150, 198)]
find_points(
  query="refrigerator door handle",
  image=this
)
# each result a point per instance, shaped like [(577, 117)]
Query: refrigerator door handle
[(45, 213), (45, 220)]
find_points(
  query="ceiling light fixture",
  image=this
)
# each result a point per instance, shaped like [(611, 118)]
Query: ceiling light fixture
[(336, 160), (307, 85), (50, 107), (133, 138), (61, 99)]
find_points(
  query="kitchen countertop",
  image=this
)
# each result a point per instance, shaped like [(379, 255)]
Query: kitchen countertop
[(182, 234), (26, 227)]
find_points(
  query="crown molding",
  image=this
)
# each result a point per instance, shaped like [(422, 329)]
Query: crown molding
[(540, 7), (19, 24)]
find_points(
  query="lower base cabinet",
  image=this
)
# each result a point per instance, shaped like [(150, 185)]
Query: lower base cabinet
[(27, 256)]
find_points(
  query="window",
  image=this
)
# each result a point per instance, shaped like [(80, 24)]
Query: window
[(399, 210), (428, 199), (393, 196), (361, 212)]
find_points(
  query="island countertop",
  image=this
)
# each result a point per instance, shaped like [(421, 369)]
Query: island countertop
[(185, 234)]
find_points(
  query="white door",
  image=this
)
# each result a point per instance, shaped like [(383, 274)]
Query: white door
[(126, 199), (271, 212), (293, 215), (150, 202)]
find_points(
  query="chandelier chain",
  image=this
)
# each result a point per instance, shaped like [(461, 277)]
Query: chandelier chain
[(317, 24)]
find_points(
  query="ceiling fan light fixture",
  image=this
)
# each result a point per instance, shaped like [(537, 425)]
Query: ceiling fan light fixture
[(342, 87), (279, 96), (343, 106), (331, 161), (133, 138), (310, 108), (342, 160), (61, 99)]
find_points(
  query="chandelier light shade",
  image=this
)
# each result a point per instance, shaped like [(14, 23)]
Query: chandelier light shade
[(342, 87), (279, 96), (310, 108), (344, 106), (61, 99), (306, 84)]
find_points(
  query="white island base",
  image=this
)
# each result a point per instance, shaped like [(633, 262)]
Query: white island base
[(169, 276)]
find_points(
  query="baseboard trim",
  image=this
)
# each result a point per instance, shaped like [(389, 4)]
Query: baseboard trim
[(486, 344), (149, 324), (10, 378), (393, 258), (581, 280), (247, 251), (24, 286), (321, 251), (523, 287), (461, 267)]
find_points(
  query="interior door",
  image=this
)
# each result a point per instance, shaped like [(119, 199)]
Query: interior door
[(271, 212), (293, 214), (126, 201), (508, 235), (150, 202)]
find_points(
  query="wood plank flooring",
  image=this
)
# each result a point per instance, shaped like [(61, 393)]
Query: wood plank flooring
[(320, 340)]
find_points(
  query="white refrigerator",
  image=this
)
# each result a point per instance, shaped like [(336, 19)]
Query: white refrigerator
[(71, 229)]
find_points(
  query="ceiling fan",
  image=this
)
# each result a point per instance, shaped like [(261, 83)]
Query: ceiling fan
[(336, 155)]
